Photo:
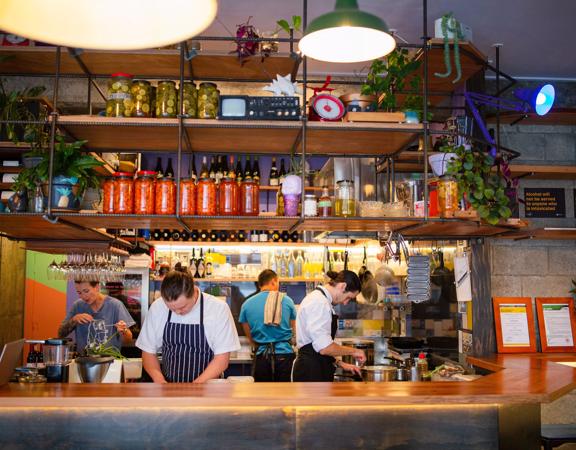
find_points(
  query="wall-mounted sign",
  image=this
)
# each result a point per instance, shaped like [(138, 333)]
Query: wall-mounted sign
[(544, 202)]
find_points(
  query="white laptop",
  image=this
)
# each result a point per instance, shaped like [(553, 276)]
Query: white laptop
[(9, 360)]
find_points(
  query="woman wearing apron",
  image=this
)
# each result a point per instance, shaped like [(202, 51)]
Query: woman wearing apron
[(316, 325), (195, 332)]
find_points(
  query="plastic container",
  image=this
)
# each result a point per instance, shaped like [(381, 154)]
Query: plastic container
[(249, 198), (142, 97), (166, 99), (165, 196), (208, 101), (206, 197), (119, 102), (187, 197), (345, 204), (144, 192), (228, 197), (108, 196), (123, 193)]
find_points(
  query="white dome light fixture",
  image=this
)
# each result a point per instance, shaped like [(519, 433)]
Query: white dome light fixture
[(346, 35), (107, 24)]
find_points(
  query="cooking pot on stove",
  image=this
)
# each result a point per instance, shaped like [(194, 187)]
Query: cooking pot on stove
[(379, 373), (363, 344)]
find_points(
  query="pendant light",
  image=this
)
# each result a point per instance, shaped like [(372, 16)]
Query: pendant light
[(346, 35), (107, 24)]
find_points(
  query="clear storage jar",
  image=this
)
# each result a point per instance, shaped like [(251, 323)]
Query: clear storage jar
[(165, 196), (108, 196), (119, 102), (206, 197), (447, 196), (189, 99), (144, 192), (208, 100), (228, 197), (249, 198), (345, 204), (187, 197), (142, 97), (310, 205), (166, 99), (123, 193)]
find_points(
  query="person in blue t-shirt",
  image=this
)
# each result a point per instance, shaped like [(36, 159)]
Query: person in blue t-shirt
[(269, 320), (97, 316)]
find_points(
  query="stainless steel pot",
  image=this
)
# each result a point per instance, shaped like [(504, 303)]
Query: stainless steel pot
[(403, 374), (363, 344), (379, 373)]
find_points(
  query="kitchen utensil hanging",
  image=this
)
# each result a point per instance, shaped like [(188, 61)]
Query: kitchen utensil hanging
[(418, 287)]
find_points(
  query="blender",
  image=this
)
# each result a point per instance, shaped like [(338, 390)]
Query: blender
[(57, 359)]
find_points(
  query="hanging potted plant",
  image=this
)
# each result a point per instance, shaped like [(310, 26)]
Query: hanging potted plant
[(439, 161)]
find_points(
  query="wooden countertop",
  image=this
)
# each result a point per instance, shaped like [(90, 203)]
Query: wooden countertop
[(523, 378)]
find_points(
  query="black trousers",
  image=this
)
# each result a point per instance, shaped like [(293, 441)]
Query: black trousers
[(282, 367)]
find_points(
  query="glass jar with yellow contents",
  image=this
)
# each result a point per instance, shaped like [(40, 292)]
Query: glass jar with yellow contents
[(208, 100), (166, 99), (119, 102), (189, 99), (141, 96), (447, 196)]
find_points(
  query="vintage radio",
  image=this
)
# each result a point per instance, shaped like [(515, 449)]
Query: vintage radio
[(244, 107)]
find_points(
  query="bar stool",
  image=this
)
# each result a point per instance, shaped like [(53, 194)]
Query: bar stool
[(554, 435)]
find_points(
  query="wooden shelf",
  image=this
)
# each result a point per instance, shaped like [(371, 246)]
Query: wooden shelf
[(355, 224), (9, 169), (151, 134), (557, 116), (147, 64), (543, 233)]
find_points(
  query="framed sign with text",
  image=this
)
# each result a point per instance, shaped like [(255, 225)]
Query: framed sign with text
[(544, 202), (556, 323), (514, 321)]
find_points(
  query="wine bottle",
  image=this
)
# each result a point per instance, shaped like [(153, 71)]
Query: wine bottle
[(254, 236), (156, 235), (175, 235), (201, 265), (193, 266), (248, 169), (193, 174), (194, 235), (282, 173), (184, 235), (212, 173), (169, 169), (159, 171), (279, 202), (223, 236), (273, 175), (213, 236), (219, 169), (291, 265), (263, 237), (203, 235), (285, 236), (256, 171), (239, 173), (232, 236), (294, 236), (275, 236), (204, 169), (241, 236), (231, 171), (224, 167), (299, 266), (166, 235)]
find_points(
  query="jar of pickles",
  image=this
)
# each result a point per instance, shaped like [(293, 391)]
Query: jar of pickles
[(206, 197), (165, 196), (108, 196), (123, 193), (447, 196), (208, 99), (249, 198), (345, 204), (166, 99), (144, 192), (142, 97), (228, 197), (189, 99), (119, 102), (187, 197)]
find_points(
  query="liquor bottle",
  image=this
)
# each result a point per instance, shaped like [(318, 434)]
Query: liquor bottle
[(194, 236), (285, 236), (203, 235), (156, 235), (281, 264), (275, 236), (175, 236), (201, 265), (241, 236), (219, 169), (279, 202), (273, 177), (256, 171), (232, 236), (294, 237), (193, 173), (263, 236), (165, 235), (208, 265), (325, 204), (307, 269), (223, 236), (282, 173), (285, 263), (213, 236), (159, 171), (184, 235), (239, 173), (291, 264), (204, 168), (193, 266), (254, 236), (169, 169), (224, 167), (31, 360), (247, 169), (231, 171), (212, 173)]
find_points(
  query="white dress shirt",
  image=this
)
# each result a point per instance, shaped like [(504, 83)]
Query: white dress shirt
[(314, 320), (219, 326)]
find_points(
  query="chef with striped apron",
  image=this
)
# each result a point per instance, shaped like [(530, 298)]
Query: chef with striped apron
[(194, 331), (316, 326)]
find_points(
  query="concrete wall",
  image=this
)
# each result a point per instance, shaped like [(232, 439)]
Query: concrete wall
[(12, 273)]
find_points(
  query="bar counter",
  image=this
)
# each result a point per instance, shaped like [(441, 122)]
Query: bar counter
[(498, 411)]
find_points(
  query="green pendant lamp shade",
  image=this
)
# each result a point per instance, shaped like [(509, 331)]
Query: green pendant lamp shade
[(346, 35)]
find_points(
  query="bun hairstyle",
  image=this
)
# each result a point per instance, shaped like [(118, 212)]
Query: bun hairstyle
[(345, 276)]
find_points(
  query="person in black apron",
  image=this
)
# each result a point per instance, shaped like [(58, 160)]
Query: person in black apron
[(316, 327), (187, 355)]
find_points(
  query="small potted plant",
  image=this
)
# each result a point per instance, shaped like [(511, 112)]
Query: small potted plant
[(439, 161)]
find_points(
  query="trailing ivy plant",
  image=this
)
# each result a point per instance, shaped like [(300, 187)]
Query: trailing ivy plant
[(483, 187)]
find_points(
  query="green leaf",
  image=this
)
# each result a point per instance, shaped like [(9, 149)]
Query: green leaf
[(284, 25), (492, 219), (468, 165), (505, 212), (297, 22), (478, 195), (489, 194)]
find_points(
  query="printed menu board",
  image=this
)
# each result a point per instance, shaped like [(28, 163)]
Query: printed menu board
[(556, 323), (514, 321)]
